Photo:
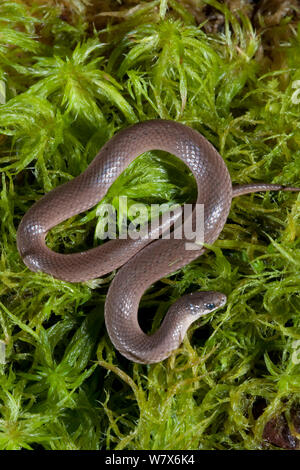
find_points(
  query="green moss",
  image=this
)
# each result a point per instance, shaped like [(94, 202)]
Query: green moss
[(68, 82)]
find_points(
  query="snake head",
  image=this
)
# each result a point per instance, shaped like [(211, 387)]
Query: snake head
[(201, 303)]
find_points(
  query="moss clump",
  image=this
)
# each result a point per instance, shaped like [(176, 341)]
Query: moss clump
[(70, 77)]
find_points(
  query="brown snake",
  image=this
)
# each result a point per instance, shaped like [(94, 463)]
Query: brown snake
[(143, 261)]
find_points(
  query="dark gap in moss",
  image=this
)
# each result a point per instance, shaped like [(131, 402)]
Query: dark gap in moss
[(258, 407), (201, 334), (289, 323), (145, 317)]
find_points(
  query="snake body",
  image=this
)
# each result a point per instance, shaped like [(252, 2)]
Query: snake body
[(143, 261)]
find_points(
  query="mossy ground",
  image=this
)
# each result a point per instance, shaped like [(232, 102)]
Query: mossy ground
[(72, 74)]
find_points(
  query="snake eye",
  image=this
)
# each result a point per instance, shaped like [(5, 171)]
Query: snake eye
[(210, 306)]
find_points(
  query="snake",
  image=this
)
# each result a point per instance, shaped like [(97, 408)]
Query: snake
[(142, 261)]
